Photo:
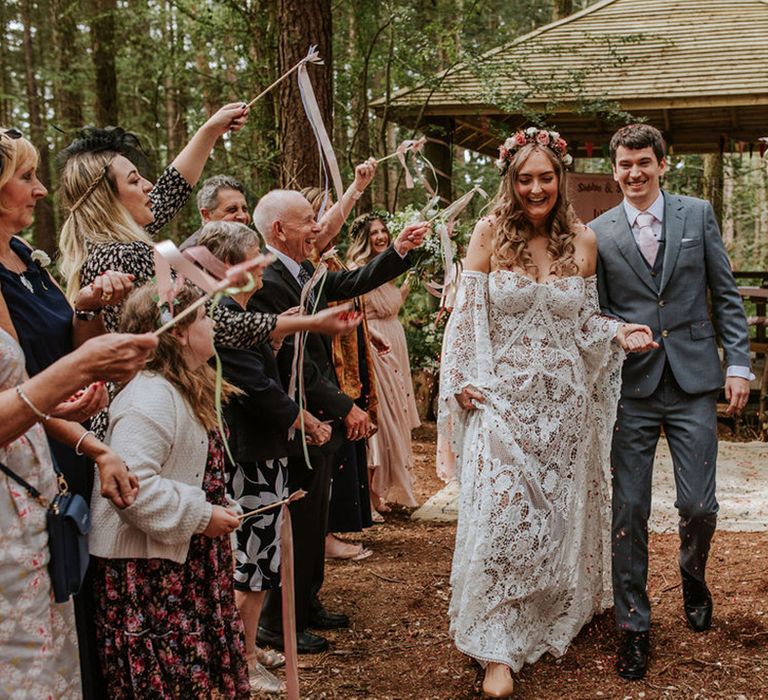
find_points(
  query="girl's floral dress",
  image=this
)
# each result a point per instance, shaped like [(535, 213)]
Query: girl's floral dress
[(169, 630)]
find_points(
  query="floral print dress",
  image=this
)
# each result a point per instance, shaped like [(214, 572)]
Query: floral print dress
[(38, 644), (169, 630)]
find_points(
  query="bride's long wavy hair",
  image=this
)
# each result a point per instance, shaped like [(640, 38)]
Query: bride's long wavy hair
[(514, 230)]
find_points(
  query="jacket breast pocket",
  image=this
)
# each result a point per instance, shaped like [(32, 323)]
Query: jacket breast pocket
[(702, 329), (690, 242)]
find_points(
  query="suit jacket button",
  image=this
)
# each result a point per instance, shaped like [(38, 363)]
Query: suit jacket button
[(662, 302), (664, 333)]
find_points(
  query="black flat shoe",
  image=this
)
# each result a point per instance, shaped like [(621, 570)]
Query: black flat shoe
[(632, 659), (322, 619), (306, 642), (697, 603)]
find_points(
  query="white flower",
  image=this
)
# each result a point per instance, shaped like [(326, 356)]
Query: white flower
[(41, 257), (509, 143), (567, 159), (531, 130), (500, 164), (555, 135)]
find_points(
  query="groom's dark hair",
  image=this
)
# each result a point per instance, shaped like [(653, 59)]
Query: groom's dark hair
[(637, 136)]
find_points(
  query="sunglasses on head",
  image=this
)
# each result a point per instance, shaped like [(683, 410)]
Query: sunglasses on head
[(11, 134)]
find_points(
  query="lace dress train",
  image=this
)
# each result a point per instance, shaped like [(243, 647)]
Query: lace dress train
[(532, 559)]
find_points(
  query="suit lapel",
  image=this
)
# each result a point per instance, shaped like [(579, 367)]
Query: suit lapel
[(674, 218), (625, 242), (288, 278)]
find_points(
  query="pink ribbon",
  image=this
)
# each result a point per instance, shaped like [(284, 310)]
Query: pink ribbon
[(312, 111), (414, 146), (289, 605)]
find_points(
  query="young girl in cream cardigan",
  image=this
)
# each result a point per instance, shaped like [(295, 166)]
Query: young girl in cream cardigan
[(166, 617)]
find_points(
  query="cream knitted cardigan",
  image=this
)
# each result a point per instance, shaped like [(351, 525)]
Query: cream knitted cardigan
[(164, 444)]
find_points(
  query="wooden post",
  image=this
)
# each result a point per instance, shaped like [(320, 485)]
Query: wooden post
[(439, 151)]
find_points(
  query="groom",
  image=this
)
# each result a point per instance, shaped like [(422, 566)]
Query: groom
[(660, 257)]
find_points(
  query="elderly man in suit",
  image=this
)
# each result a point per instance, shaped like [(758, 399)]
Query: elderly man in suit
[(287, 222), (660, 259)]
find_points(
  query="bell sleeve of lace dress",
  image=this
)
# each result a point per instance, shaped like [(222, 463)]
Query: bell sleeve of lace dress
[(466, 360)]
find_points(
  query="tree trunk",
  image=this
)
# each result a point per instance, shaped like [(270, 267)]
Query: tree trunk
[(439, 152), (5, 68), (45, 225), (104, 54), (713, 183), (561, 8), (67, 92), (301, 23)]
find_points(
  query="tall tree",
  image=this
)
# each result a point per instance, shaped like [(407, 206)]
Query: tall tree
[(45, 225), (104, 49), (301, 23), (561, 8)]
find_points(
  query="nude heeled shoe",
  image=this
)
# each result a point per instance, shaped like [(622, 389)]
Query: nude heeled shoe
[(498, 681)]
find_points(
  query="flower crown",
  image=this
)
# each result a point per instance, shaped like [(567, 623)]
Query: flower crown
[(538, 137)]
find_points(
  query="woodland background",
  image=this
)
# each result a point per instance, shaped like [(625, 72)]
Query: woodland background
[(159, 67)]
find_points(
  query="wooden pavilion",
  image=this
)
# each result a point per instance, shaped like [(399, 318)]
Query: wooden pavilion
[(696, 69)]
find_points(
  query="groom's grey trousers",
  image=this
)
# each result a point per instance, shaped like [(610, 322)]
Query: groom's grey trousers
[(690, 426)]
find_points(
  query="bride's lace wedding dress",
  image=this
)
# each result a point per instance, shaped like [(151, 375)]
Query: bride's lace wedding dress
[(532, 558)]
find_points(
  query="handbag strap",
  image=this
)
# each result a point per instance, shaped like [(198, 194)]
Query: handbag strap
[(25, 484)]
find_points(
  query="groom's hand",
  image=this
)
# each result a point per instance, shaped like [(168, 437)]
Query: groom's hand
[(736, 393)]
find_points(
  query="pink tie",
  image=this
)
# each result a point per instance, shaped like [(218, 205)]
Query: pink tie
[(646, 241)]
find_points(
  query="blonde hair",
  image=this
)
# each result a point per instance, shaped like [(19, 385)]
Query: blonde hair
[(98, 219), (198, 387), (360, 251), (16, 154), (514, 230)]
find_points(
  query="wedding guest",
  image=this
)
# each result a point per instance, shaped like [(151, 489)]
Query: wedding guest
[(166, 617), (349, 510), (287, 222), (259, 420), (529, 383), (390, 456), (39, 654), (662, 262), (220, 198)]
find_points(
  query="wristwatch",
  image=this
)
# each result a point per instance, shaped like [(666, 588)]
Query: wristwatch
[(87, 315)]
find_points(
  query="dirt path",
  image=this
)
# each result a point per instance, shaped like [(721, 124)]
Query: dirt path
[(398, 646)]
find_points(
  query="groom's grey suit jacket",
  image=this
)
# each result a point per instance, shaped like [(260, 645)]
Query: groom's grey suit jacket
[(673, 298)]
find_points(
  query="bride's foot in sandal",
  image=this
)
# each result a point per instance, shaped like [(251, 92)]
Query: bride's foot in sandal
[(498, 681)]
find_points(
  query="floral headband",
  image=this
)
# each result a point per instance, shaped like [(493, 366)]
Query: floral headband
[(538, 137), (361, 221)]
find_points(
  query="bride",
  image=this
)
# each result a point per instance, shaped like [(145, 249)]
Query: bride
[(529, 385)]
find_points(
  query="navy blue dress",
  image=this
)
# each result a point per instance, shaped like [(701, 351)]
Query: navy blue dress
[(42, 317)]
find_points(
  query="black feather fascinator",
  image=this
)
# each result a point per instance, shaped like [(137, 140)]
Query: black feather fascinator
[(110, 139)]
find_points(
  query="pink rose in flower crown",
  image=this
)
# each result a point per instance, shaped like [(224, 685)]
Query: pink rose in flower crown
[(503, 153), (561, 145), (542, 137), (519, 138)]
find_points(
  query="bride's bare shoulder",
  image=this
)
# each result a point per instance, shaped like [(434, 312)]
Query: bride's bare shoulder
[(481, 245)]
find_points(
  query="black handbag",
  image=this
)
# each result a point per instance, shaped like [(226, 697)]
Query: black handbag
[(68, 521)]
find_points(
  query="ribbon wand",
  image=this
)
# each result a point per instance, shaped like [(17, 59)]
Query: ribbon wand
[(312, 57), (295, 496)]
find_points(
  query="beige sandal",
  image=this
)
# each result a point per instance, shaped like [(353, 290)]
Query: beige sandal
[(270, 658), (262, 681)]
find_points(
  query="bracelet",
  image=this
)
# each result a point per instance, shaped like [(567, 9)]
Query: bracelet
[(40, 415), (80, 441), (87, 315)]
